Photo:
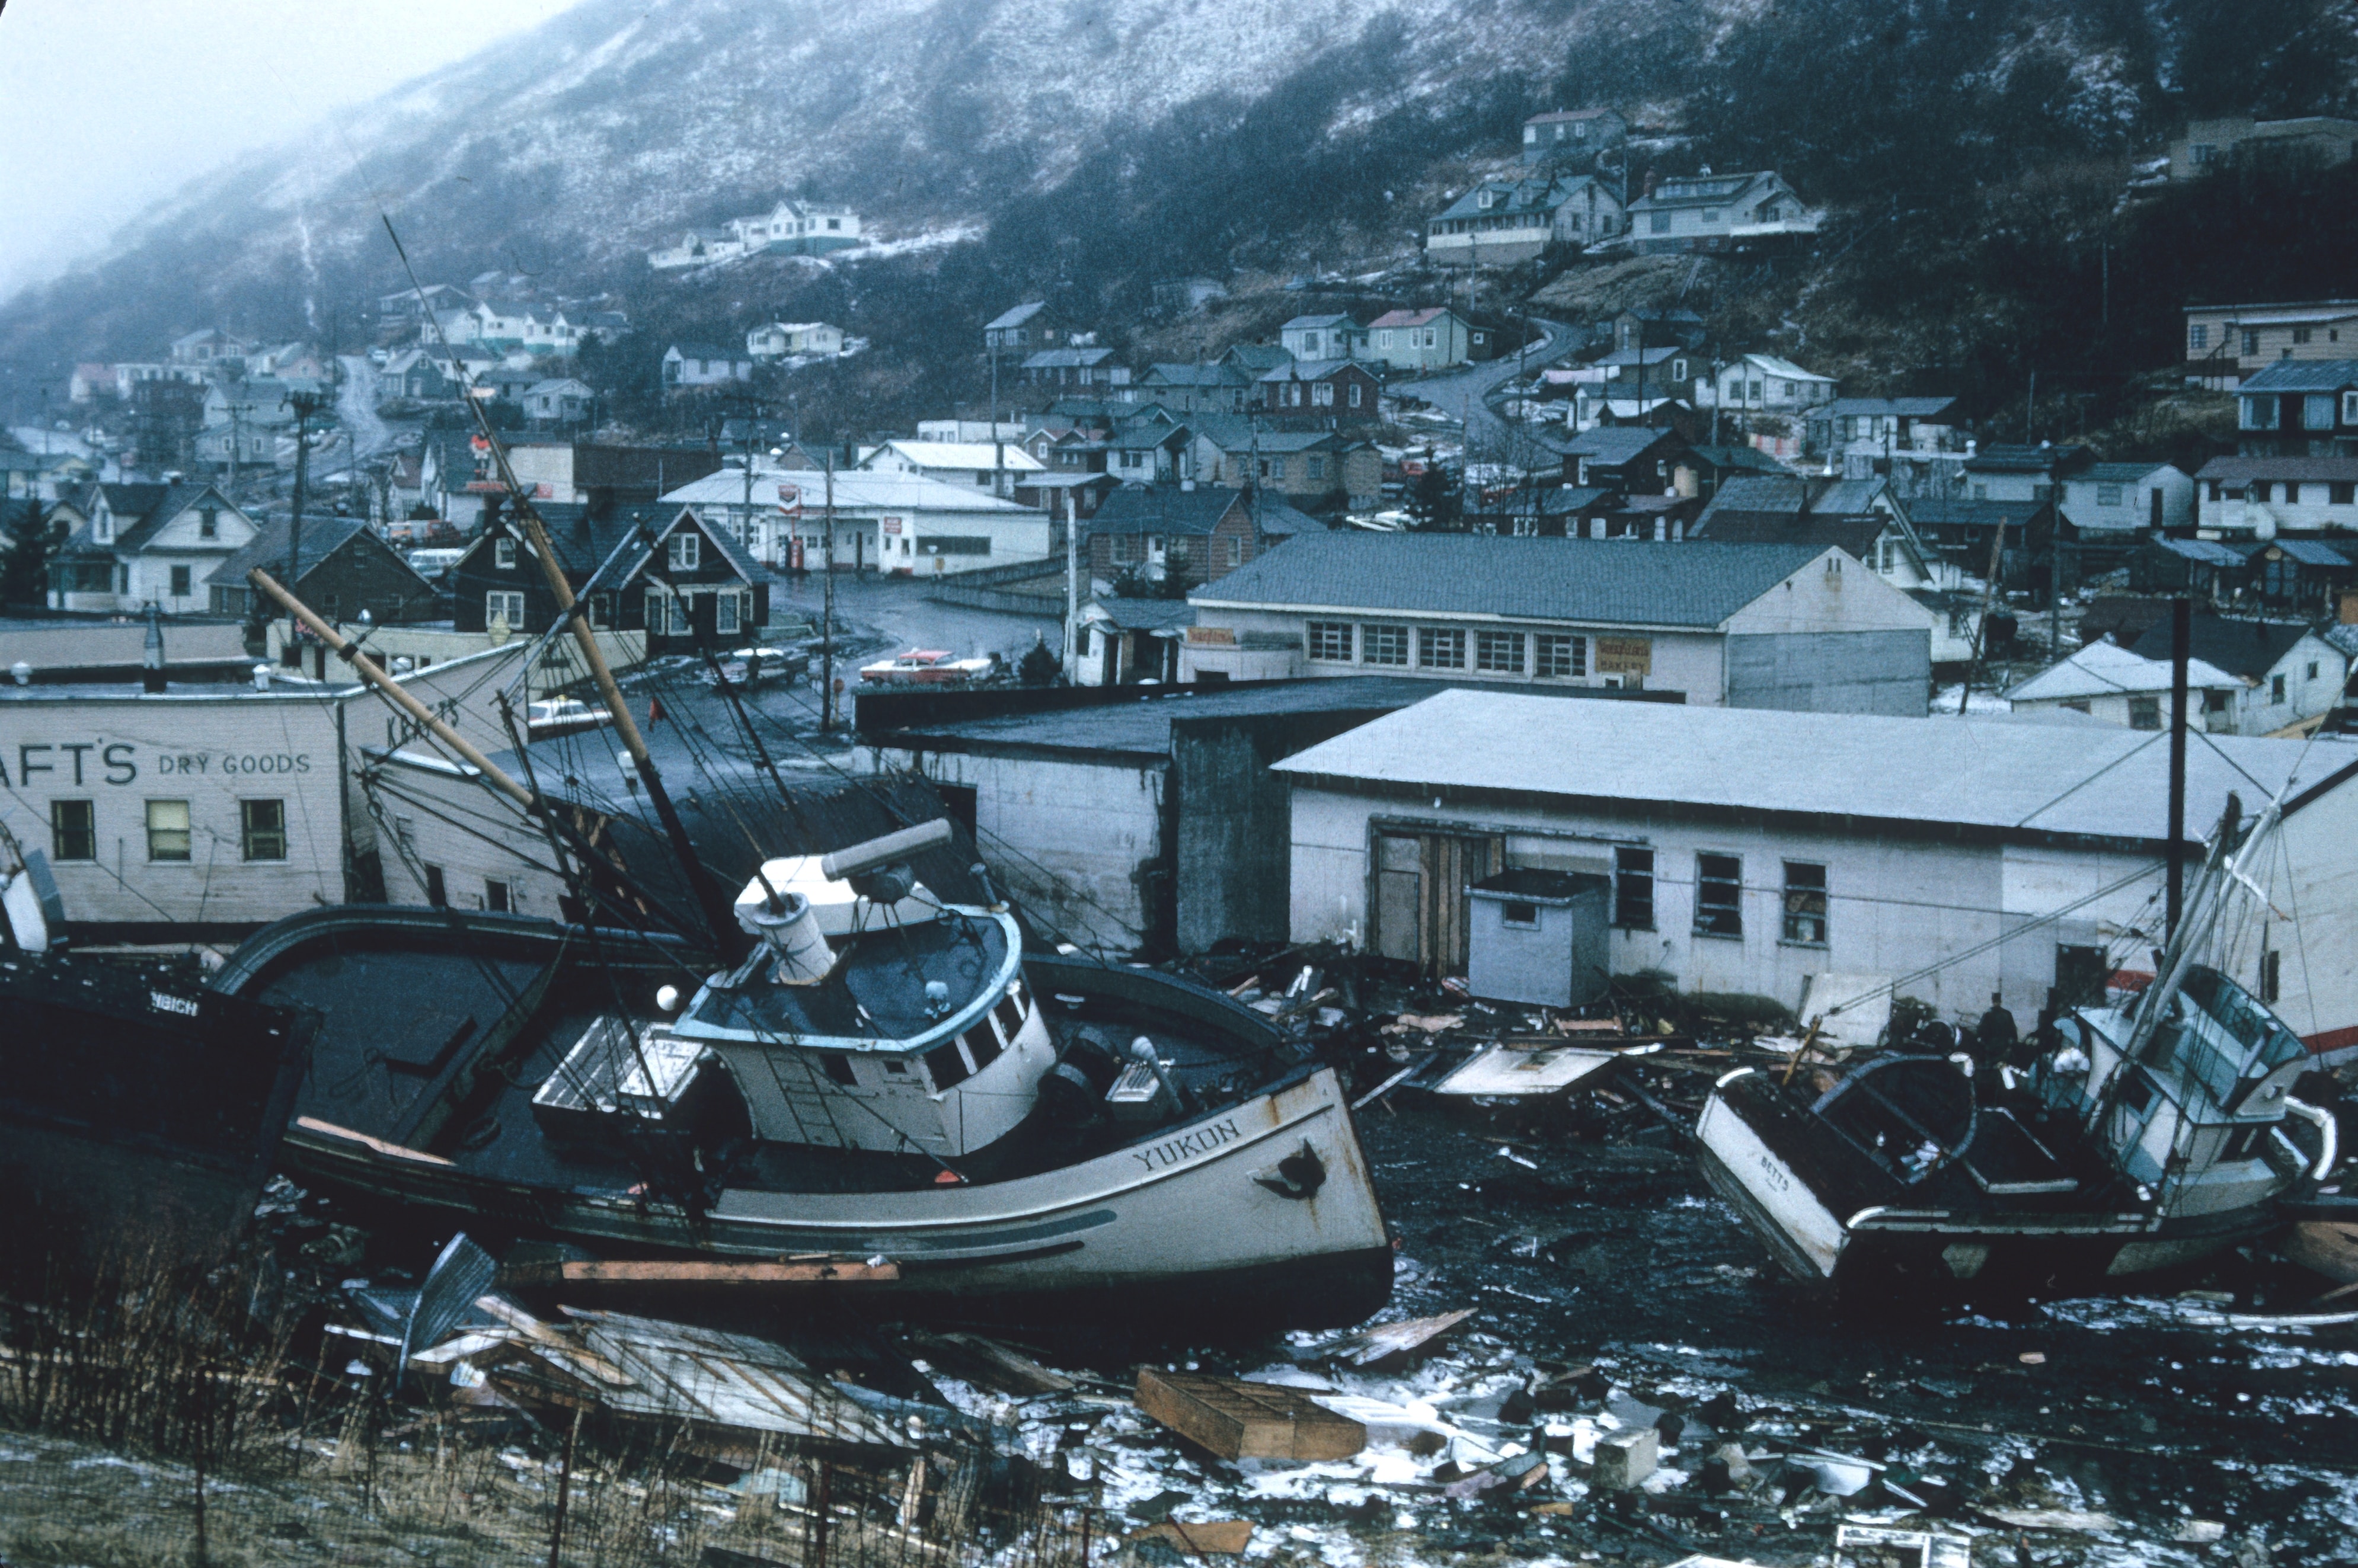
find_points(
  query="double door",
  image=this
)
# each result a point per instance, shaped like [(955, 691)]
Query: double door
[(1419, 907)]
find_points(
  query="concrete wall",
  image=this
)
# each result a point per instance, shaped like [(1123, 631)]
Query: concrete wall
[(1895, 906), (1832, 672), (1081, 844)]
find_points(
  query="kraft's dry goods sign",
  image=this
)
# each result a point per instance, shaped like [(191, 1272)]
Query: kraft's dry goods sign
[(80, 764)]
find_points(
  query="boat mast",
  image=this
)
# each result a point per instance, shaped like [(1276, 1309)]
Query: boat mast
[(2181, 620)]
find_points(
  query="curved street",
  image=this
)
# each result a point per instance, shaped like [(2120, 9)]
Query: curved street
[(1463, 394)]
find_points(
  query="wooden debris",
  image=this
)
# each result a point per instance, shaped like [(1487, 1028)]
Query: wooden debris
[(666, 1271), (1205, 1538), (1237, 1419), (1503, 1071), (1430, 1023), (2326, 1246), (990, 1365), (2071, 1520), (1385, 1340)]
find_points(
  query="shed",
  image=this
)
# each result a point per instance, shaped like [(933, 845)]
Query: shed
[(1538, 936)]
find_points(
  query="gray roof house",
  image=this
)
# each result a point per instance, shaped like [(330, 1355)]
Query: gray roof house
[(1794, 626), (135, 545)]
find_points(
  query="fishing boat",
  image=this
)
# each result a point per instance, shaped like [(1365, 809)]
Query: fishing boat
[(139, 1110), (886, 1077), (929, 666), (2150, 1135)]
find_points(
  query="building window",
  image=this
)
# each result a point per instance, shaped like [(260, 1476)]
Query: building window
[(262, 829), (2276, 690), (1330, 641), (1805, 904), (2341, 492), (436, 894), (1498, 653), (2350, 408), (1356, 390), (499, 605), (1387, 645), (1519, 915), (2145, 712), (725, 614), (1560, 655), (167, 829), (1719, 895), (503, 555), (2301, 334), (2251, 342), (2199, 336), (1322, 394), (499, 897), (1440, 648), (687, 550), (1658, 223), (74, 830), (658, 613), (209, 523), (1633, 889), (2108, 495), (181, 584)]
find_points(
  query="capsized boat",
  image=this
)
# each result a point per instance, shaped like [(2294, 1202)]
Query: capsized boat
[(2154, 1134), (888, 1079), (929, 666)]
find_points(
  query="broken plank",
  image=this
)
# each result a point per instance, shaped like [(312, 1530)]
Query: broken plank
[(1385, 1340), (1388, 1084), (670, 1271), (996, 1366), (1237, 1419), (1205, 1538), (1504, 1071)]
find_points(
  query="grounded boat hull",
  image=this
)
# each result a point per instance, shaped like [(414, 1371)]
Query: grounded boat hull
[(1834, 1233), (1193, 1223)]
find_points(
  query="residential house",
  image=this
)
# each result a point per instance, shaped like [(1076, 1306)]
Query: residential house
[(1314, 467), (1572, 136), (1741, 625), (798, 228), (1880, 426), (2107, 682), (1631, 387), (1331, 337), (1018, 333), (2298, 408), (1082, 367), (2299, 575), (1732, 874), (690, 365), (1129, 641), (1700, 472), (993, 466), (2206, 569), (1343, 391), (2109, 506), (1502, 222), (1636, 328), (1151, 451), (1433, 338), (242, 423), (1252, 360), (561, 401), (2312, 142), (1717, 212), (2012, 472), (1966, 530), (340, 570), (419, 377), (2267, 498), (697, 247), (130, 546), (89, 382), (1767, 385), (2289, 672), (1218, 388), (783, 340), (660, 569), (415, 307), (891, 521), (1189, 534), (2225, 343), (1635, 460), (207, 347), (1066, 496)]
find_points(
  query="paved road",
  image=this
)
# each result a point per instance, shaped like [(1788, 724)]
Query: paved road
[(896, 610), (1460, 395)]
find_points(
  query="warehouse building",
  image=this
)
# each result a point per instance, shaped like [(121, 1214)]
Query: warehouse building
[(1770, 854), (1791, 626)]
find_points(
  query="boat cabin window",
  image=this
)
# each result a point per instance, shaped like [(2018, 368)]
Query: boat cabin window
[(837, 1066), (895, 1068), (946, 1065), (981, 1044), (1010, 1013)]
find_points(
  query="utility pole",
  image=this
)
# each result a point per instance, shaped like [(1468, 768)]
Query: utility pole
[(826, 626), (305, 404), (1072, 592), (2181, 630)]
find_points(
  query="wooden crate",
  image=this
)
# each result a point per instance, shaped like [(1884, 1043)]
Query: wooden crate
[(1238, 1420)]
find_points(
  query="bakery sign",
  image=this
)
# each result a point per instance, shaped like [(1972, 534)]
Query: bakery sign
[(1624, 656)]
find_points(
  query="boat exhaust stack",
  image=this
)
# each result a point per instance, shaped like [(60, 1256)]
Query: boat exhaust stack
[(877, 869), (786, 926)]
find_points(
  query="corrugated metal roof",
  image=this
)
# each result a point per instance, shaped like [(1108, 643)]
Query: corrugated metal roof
[(1616, 582), (2303, 376), (1995, 774)]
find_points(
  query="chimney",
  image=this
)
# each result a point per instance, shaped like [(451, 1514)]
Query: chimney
[(151, 655)]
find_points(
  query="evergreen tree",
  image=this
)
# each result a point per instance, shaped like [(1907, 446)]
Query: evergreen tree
[(30, 540)]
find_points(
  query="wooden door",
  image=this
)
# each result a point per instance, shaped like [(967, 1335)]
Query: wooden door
[(1421, 904)]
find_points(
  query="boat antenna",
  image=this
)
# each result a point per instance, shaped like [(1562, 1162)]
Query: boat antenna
[(573, 613)]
